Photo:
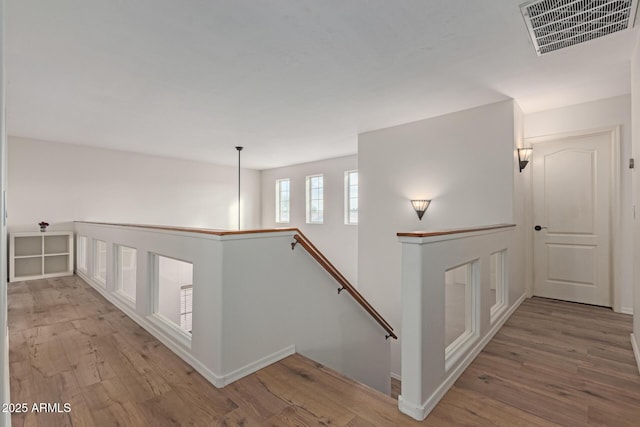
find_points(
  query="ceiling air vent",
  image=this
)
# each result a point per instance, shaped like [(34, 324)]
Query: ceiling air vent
[(556, 24)]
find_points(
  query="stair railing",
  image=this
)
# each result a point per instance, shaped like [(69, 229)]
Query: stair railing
[(342, 281)]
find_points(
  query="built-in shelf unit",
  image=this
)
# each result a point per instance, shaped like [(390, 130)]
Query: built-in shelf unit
[(39, 255)]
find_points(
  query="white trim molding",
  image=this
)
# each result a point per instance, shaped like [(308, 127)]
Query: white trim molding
[(626, 310), (429, 367), (154, 327), (227, 268), (257, 365), (615, 240), (636, 350), (420, 412)]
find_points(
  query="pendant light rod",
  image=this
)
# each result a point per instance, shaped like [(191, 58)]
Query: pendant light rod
[(239, 150)]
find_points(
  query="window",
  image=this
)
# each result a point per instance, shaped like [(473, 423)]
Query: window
[(126, 271), (100, 261), (186, 307), (173, 292), (461, 316), (282, 200), (498, 283), (315, 199), (82, 254), (351, 197)]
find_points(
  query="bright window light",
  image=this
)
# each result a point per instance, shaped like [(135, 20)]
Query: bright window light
[(351, 197), (282, 200), (315, 199)]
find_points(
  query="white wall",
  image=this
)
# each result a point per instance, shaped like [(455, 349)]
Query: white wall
[(298, 303), (339, 242), (592, 115), (429, 368), (463, 161), (250, 306), (522, 214), (635, 109), (59, 183), (5, 418)]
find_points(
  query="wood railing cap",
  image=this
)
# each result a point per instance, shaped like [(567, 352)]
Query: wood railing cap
[(194, 229), (299, 237), (453, 231)]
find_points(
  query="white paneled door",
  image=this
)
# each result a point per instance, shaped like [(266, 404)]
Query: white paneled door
[(572, 216)]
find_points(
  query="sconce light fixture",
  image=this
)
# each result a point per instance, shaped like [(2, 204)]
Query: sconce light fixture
[(524, 154), (420, 207)]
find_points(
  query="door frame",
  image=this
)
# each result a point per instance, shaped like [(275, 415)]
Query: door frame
[(614, 232)]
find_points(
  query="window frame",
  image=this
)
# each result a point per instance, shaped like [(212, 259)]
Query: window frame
[(82, 254), (348, 198), (279, 201), (309, 200), (98, 260), (157, 316), (120, 266)]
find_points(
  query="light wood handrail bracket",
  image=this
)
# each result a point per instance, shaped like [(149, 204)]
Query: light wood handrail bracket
[(344, 283)]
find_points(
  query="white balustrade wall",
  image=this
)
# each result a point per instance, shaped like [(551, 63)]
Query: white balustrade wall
[(429, 369), (255, 301)]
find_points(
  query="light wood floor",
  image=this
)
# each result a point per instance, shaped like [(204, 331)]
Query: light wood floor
[(553, 363)]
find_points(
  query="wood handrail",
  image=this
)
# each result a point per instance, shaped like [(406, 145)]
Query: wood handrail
[(453, 231), (299, 238), (335, 273), (209, 231)]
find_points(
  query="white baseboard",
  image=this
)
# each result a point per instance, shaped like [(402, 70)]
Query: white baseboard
[(258, 364), (396, 376), (626, 310), (165, 337), (417, 412), (636, 350), (420, 412), (158, 333)]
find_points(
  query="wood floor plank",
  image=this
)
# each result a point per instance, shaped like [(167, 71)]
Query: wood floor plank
[(295, 391), (174, 410), (552, 364), (333, 391), (543, 403), (293, 416), (258, 399), (483, 410), (240, 417), (566, 363), (624, 414), (127, 413)]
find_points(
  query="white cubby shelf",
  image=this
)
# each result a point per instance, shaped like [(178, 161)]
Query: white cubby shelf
[(39, 255)]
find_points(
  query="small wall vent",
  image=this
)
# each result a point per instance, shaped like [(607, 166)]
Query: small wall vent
[(556, 24)]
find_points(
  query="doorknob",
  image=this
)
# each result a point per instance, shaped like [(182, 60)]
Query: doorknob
[(538, 227)]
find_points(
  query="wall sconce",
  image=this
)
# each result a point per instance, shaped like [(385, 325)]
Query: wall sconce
[(524, 154), (420, 207)]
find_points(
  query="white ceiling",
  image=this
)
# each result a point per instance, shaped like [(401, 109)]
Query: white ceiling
[(291, 80)]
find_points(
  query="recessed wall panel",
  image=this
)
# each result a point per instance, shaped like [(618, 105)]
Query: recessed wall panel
[(570, 192), (572, 263)]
